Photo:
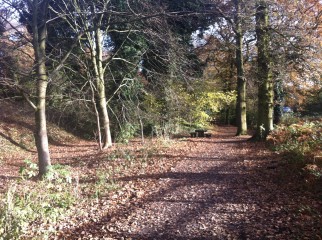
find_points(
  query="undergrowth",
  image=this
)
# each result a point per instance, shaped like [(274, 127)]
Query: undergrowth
[(40, 203), (300, 140), (32, 207)]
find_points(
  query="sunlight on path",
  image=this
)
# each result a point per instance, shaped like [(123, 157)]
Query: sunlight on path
[(221, 189)]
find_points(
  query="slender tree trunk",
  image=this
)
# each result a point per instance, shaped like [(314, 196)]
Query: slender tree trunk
[(98, 122), (142, 129), (241, 82), (265, 78), (107, 139), (278, 100), (39, 45), (227, 115), (229, 87)]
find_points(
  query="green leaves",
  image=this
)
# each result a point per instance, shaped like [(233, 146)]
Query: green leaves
[(59, 174), (29, 170), (56, 173), (206, 101), (43, 202)]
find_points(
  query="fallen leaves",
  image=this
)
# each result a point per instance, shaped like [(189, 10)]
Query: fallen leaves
[(211, 190), (204, 188)]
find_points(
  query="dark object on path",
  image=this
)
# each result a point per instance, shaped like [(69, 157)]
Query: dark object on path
[(193, 134), (200, 133)]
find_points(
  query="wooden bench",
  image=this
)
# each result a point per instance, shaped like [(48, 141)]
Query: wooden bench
[(200, 133), (193, 134)]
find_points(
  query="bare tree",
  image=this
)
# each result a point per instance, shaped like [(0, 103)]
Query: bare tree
[(37, 22)]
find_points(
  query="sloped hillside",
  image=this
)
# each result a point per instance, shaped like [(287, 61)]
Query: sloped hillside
[(17, 140)]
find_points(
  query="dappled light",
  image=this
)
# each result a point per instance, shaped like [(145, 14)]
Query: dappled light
[(172, 119), (186, 188)]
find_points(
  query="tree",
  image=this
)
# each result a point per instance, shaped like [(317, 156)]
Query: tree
[(108, 32), (131, 31), (236, 14), (3, 14), (295, 49), (241, 112), (161, 50), (217, 56), (265, 77), (36, 15), (94, 38), (39, 35)]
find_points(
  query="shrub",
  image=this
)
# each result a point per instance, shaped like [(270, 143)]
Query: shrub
[(127, 132), (301, 139)]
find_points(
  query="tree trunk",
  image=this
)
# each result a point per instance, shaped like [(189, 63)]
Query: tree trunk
[(98, 122), (241, 82), (227, 115), (107, 139), (39, 45), (265, 78), (278, 101), (40, 134)]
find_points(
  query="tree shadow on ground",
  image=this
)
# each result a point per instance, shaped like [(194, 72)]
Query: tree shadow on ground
[(54, 142), (197, 206), (11, 140), (17, 122), (230, 200), (3, 177)]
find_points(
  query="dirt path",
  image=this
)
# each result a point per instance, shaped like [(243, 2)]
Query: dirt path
[(223, 188)]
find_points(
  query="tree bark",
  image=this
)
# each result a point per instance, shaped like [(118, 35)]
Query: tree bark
[(265, 78), (39, 44), (98, 122), (241, 113), (107, 139)]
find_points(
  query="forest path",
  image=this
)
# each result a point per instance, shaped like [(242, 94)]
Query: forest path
[(225, 187)]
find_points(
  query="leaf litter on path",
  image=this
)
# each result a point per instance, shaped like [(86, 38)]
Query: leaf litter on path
[(219, 188)]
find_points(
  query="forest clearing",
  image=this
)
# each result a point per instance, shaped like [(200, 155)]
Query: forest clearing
[(223, 187), (144, 119)]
